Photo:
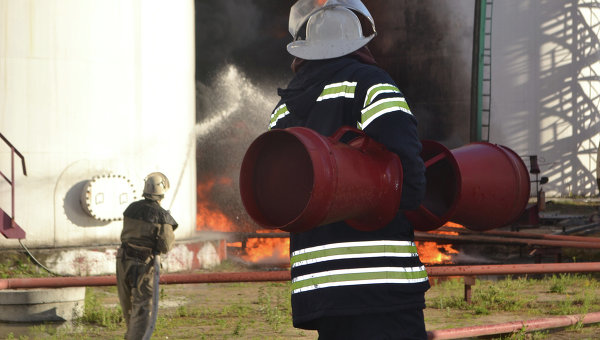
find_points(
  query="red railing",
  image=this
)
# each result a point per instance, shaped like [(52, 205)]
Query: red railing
[(8, 226)]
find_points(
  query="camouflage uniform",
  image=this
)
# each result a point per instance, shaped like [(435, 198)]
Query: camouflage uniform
[(147, 230)]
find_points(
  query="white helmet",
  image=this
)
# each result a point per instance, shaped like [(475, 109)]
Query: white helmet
[(156, 185), (332, 28)]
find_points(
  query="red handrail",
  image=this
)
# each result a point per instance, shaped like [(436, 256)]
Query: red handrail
[(12, 230)]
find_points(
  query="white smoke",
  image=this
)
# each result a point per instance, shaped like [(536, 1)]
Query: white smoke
[(232, 94), (231, 112)]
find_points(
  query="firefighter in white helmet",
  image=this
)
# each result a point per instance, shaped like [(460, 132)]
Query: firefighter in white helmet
[(346, 283), (147, 231)]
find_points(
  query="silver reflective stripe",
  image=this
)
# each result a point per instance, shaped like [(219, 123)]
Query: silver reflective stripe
[(381, 107), (378, 89), (344, 89), (353, 256), (355, 244), (349, 250), (280, 112), (358, 276)]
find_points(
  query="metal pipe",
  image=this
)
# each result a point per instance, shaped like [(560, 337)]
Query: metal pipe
[(580, 228), (56, 282), (456, 239), (519, 234), (284, 275), (110, 280), (278, 275), (505, 269), (515, 326)]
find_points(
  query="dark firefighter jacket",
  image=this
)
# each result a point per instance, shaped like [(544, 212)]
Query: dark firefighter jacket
[(148, 225), (337, 270)]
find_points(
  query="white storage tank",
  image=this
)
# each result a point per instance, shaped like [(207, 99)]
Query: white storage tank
[(95, 95), (544, 89)]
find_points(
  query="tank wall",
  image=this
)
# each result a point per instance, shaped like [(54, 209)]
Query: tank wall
[(545, 64), (426, 46), (91, 88)]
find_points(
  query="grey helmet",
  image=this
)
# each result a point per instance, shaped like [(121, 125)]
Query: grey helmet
[(332, 28), (156, 185)]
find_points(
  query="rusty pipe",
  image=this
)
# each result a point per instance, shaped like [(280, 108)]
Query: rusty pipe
[(509, 236), (505, 269), (110, 280), (56, 282), (515, 326), (284, 275), (520, 234), (278, 275), (456, 239)]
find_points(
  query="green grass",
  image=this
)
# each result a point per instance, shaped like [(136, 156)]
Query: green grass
[(99, 315), (14, 264), (554, 295), (509, 299), (262, 310)]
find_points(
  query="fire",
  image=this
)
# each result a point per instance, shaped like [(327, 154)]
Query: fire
[(276, 250), (453, 225), (208, 215), (434, 253), (267, 250)]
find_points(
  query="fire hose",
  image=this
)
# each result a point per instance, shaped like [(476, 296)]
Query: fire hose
[(155, 295)]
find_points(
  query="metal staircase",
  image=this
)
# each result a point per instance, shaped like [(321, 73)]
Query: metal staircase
[(482, 71), (8, 226), (486, 93)]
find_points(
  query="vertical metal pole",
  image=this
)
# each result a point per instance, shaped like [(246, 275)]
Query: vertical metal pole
[(477, 69), (469, 282)]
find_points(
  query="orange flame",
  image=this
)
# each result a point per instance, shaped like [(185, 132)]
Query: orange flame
[(269, 250), (208, 215), (434, 253), (276, 250), (453, 225)]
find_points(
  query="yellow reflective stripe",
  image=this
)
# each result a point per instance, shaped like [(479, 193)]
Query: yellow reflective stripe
[(344, 89), (378, 89), (359, 276), (280, 112), (353, 244), (351, 250), (381, 107)]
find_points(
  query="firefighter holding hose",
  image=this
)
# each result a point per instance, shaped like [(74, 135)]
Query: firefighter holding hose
[(346, 283), (147, 232)]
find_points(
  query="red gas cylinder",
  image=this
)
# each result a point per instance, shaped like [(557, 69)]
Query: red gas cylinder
[(480, 185), (295, 179)]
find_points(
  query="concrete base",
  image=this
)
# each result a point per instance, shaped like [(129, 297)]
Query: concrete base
[(186, 255), (41, 304)]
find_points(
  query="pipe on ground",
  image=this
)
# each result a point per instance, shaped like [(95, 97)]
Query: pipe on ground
[(506, 269), (110, 280), (521, 234), (515, 326), (284, 275), (481, 239)]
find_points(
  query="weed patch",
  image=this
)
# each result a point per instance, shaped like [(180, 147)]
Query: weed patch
[(96, 314)]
